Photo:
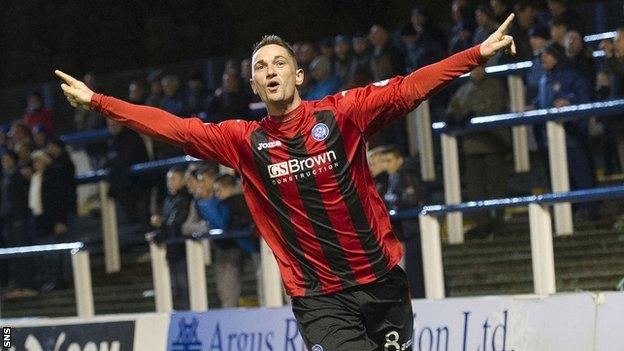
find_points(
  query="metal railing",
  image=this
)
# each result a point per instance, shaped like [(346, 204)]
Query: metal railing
[(540, 224), (80, 267), (554, 119)]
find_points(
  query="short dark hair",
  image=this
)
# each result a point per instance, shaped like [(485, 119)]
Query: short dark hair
[(560, 21), (272, 39), (226, 180), (392, 150), (205, 170)]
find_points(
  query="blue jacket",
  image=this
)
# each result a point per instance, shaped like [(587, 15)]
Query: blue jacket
[(564, 82)]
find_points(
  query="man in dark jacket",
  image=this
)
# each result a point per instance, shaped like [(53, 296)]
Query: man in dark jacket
[(126, 148), (562, 85), (64, 168), (404, 191), (168, 224), (14, 215)]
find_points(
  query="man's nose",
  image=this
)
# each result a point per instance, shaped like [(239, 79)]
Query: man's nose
[(270, 71)]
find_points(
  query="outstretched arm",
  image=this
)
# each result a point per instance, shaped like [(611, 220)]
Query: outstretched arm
[(203, 140), (378, 103)]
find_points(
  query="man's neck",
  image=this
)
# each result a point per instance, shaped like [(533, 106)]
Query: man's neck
[(283, 108)]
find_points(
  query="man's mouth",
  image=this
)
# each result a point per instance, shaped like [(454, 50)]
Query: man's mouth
[(273, 86)]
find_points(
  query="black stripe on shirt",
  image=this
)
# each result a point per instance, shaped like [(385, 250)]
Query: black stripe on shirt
[(262, 158), (370, 245)]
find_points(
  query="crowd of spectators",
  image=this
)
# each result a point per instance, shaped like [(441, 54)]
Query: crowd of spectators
[(198, 198)]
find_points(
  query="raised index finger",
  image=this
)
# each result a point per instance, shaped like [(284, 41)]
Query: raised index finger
[(503, 27), (66, 77)]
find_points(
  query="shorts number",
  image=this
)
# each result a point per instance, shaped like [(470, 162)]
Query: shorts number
[(392, 342)]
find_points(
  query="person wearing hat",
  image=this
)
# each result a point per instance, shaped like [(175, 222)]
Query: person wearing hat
[(561, 85)]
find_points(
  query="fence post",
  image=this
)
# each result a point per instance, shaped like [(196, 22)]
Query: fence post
[(452, 188), (196, 270), (542, 254), (112, 261), (519, 133), (558, 158), (425, 141), (82, 283), (161, 278), (432, 257), (205, 243), (271, 284)]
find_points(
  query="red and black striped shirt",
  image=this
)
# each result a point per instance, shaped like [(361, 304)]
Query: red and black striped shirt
[(305, 175)]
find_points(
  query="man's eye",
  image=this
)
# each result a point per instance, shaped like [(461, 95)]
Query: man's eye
[(280, 63)]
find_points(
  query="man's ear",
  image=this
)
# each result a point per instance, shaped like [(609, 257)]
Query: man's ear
[(299, 77), (253, 86)]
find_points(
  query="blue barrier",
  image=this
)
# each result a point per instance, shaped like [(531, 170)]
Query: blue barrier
[(585, 195), (85, 137), (504, 120), (23, 251)]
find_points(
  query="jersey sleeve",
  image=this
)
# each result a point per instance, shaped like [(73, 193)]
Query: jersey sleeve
[(373, 106), (218, 142)]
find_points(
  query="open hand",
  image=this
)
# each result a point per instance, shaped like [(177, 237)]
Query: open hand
[(499, 40), (77, 92)]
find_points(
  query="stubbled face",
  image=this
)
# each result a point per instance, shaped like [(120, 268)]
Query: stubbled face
[(275, 75)]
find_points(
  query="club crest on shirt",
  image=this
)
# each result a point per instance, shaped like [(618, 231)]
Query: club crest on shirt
[(320, 132), (317, 347)]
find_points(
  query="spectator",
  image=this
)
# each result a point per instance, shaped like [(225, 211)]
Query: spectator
[(196, 95), (88, 120), (326, 83), (378, 168), (462, 39), (40, 138), (168, 224), (20, 133), (463, 26), (361, 56), (126, 148), (520, 29), (561, 85), (228, 211), (405, 191), (486, 24), (327, 50), (482, 95), (4, 137), (500, 9), (136, 92), (305, 55), (612, 127), (37, 114), (424, 42), (559, 26), (172, 100), (614, 55), (23, 151), (430, 36), (580, 56), (386, 60), (245, 78), (64, 168), (561, 9), (539, 37), (227, 254), (49, 219), (344, 63), (155, 88), (194, 223), (14, 216), (230, 101)]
